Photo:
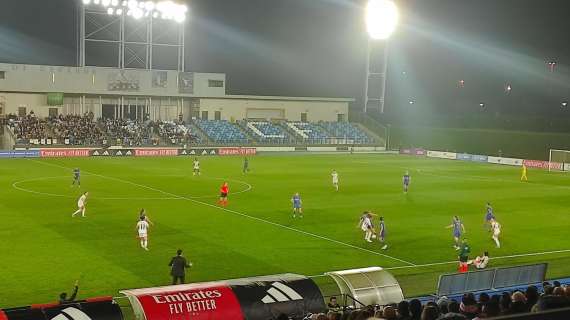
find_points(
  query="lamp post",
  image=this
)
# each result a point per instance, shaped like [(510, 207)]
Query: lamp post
[(381, 20)]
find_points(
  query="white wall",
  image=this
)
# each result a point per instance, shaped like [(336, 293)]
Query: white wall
[(36, 102), (95, 81), (237, 109)]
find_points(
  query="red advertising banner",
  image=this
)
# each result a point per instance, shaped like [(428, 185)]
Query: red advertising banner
[(63, 153), (205, 303), (542, 164), (155, 152), (237, 151)]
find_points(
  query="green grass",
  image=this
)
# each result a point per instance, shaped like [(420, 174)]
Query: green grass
[(518, 144), (44, 250)]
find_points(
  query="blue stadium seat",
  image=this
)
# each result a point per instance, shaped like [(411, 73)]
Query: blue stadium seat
[(221, 131)]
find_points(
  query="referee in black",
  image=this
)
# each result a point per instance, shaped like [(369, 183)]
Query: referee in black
[(178, 266)]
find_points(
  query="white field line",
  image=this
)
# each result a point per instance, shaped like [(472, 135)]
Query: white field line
[(239, 214), (532, 254), (16, 186)]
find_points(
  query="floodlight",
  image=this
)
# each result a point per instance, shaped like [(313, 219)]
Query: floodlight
[(133, 4), (155, 14), (180, 17), (106, 3), (96, 1), (137, 13), (119, 11), (564, 103), (381, 18), (149, 5), (114, 3), (110, 11), (86, 2), (124, 3)]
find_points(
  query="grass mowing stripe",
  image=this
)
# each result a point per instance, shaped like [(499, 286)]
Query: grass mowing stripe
[(237, 213)]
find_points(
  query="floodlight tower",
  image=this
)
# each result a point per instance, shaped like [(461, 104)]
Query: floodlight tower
[(135, 34), (381, 20)]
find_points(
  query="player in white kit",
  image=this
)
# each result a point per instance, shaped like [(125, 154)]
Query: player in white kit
[(496, 228), (142, 229), (334, 176), (81, 204), (196, 168), (367, 226)]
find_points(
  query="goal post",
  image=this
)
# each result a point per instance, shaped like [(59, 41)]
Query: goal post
[(559, 160)]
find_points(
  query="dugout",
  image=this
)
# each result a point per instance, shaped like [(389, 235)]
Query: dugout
[(368, 286)]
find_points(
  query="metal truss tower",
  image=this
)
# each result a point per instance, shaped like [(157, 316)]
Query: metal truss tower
[(125, 42)]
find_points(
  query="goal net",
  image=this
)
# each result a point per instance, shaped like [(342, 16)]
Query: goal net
[(559, 160)]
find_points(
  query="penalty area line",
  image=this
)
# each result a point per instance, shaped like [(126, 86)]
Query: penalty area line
[(275, 224)]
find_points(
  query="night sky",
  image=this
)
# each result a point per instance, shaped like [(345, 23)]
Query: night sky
[(317, 48)]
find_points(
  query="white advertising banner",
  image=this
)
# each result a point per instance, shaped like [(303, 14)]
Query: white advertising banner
[(442, 154), (506, 161)]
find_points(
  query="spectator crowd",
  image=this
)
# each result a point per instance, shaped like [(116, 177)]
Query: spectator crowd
[(483, 306)]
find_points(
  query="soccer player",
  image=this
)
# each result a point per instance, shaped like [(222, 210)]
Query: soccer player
[(196, 167), (245, 165), (142, 228), (490, 215), (224, 190), (523, 173), (458, 229), (144, 216), (297, 205), (406, 181), (76, 177), (496, 227), (366, 225), (382, 233), (81, 204), (334, 175), (464, 256)]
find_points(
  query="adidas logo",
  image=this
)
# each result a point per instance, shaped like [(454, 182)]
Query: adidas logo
[(280, 293), (71, 313)]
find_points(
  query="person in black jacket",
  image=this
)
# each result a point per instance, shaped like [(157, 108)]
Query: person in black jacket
[(178, 266), (63, 296)]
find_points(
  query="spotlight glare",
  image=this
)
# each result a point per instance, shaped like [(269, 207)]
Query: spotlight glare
[(106, 3), (133, 4), (125, 3), (119, 11), (149, 5), (86, 2), (381, 18), (114, 3), (137, 13), (180, 17), (110, 11), (96, 1), (155, 14)]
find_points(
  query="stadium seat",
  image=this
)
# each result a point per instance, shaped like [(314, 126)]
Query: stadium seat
[(221, 131)]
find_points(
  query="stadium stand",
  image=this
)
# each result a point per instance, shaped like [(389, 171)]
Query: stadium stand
[(28, 128), (127, 132), (346, 130), (519, 304), (175, 133), (222, 131), (267, 132), (310, 132)]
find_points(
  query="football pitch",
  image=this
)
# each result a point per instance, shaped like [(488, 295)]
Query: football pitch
[(44, 250)]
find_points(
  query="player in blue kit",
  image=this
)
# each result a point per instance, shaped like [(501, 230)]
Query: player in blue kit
[(382, 233), (406, 181), (297, 208), (458, 229), (76, 177), (489, 216)]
